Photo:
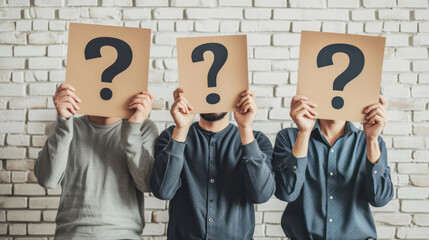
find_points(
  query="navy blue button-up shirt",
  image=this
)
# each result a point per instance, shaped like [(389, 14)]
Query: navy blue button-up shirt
[(329, 191), (213, 182)]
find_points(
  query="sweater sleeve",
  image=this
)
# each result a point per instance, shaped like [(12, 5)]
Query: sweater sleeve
[(169, 159), (138, 142), (256, 164), (289, 170), (52, 159)]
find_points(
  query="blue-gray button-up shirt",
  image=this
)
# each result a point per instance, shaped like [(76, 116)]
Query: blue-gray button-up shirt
[(329, 191), (213, 182)]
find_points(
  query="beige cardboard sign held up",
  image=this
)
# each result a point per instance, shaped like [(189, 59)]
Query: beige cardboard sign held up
[(213, 71), (341, 73), (107, 66)]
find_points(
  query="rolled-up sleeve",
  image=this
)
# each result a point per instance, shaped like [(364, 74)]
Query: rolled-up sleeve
[(289, 171), (379, 185), (259, 178)]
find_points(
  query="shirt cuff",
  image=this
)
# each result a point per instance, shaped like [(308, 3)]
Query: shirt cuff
[(377, 169), (175, 147), (296, 164), (250, 150)]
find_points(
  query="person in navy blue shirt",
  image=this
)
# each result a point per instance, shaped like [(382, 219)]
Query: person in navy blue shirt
[(213, 172), (330, 173)]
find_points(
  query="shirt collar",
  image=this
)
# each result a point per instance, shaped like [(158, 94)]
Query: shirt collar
[(350, 127), (210, 133), (88, 120)]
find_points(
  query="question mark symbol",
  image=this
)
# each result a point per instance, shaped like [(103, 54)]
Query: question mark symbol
[(357, 61), (220, 55), (123, 61)]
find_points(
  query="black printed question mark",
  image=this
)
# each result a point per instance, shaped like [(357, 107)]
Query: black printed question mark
[(220, 55), (123, 61), (357, 61)]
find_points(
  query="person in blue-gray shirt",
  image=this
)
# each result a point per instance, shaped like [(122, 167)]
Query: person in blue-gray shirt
[(330, 173), (212, 171)]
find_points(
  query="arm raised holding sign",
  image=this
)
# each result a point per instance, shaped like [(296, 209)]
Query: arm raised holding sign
[(51, 162), (138, 136), (290, 150), (376, 120), (165, 179), (256, 153), (378, 184), (181, 115)]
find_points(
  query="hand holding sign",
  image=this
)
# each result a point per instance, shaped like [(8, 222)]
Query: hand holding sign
[(302, 113), (212, 71), (180, 111), (66, 101), (142, 104), (376, 118), (341, 73), (247, 109)]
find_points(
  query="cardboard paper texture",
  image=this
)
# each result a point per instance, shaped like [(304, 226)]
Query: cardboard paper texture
[(107, 66), (341, 73), (213, 71)]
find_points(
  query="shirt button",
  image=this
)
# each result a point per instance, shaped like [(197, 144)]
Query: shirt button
[(375, 172), (213, 144), (330, 220), (332, 150), (212, 162), (212, 180), (331, 173), (331, 197), (211, 200), (211, 220), (294, 167)]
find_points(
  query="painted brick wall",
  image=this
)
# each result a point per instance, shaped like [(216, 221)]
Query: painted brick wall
[(33, 42)]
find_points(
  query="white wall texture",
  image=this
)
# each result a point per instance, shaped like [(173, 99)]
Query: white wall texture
[(33, 43)]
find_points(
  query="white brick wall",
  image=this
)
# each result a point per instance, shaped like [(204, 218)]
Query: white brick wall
[(33, 42)]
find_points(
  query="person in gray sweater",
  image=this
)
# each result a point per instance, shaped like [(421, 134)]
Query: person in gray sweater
[(103, 165)]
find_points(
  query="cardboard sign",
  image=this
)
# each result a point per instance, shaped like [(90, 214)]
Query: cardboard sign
[(341, 73), (213, 71), (107, 66)]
